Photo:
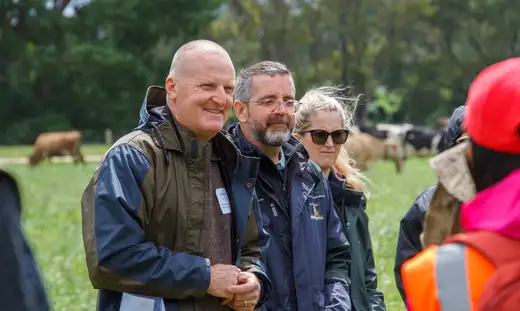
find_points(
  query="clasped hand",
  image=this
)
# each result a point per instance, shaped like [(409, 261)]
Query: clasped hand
[(239, 290)]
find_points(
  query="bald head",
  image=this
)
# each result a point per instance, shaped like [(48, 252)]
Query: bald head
[(191, 51), (200, 87)]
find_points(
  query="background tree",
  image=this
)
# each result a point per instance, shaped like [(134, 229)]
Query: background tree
[(412, 60)]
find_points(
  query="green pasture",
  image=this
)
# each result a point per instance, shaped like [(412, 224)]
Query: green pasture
[(17, 151), (52, 221)]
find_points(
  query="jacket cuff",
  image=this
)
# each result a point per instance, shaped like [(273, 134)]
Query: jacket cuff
[(265, 288), (206, 278)]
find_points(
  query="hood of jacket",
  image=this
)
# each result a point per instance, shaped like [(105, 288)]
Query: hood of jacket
[(342, 195), (496, 209), (153, 110), (453, 129), (156, 118)]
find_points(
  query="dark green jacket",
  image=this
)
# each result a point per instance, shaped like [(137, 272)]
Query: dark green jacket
[(351, 208)]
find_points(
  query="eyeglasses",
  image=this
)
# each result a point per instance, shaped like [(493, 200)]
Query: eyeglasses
[(319, 137), (274, 105)]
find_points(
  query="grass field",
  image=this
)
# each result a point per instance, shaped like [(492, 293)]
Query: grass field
[(52, 221), (16, 151)]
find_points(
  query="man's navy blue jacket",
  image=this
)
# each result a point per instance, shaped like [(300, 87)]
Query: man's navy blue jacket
[(306, 259)]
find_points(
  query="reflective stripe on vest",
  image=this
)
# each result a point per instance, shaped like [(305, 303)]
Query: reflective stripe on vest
[(450, 275)]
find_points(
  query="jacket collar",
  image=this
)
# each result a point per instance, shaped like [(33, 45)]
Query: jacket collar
[(296, 157), (343, 195), (157, 119)]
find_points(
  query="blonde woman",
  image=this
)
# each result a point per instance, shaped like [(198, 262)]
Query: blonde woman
[(322, 124)]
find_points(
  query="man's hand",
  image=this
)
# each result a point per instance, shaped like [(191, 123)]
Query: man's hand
[(223, 277), (247, 292)]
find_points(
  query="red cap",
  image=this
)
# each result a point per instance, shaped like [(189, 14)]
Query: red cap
[(493, 107)]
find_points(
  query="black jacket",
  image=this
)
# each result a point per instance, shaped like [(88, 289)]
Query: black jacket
[(409, 243), (412, 224), (21, 286), (350, 206)]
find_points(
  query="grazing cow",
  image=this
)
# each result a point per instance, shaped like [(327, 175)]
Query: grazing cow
[(366, 150), (52, 144), (423, 140), (397, 131), (381, 134)]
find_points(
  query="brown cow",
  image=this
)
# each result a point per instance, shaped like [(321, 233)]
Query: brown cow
[(52, 144), (366, 150)]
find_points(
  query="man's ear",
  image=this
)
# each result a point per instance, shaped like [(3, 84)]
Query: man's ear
[(171, 89), (240, 111)]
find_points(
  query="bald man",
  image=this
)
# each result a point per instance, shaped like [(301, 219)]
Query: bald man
[(170, 218)]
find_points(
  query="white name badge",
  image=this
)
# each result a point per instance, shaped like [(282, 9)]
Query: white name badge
[(223, 201), (131, 302)]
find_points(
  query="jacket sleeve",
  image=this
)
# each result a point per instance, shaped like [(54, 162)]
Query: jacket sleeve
[(409, 242), (256, 241), (337, 282), (21, 287), (376, 297), (119, 258)]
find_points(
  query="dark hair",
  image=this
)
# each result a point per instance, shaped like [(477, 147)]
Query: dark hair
[(489, 167), (453, 130)]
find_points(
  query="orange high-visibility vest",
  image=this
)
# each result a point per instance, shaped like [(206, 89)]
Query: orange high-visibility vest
[(450, 277)]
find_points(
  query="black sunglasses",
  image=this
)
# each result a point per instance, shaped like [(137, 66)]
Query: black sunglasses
[(319, 137)]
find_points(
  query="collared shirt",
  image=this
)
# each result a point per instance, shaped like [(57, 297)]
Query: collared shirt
[(281, 163)]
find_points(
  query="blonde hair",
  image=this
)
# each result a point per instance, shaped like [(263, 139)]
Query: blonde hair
[(329, 98)]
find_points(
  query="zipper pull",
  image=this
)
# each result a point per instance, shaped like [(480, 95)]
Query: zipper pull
[(273, 208)]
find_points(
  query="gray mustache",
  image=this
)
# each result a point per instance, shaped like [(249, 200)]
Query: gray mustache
[(273, 122)]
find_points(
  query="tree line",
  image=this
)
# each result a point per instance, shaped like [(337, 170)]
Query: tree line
[(86, 64)]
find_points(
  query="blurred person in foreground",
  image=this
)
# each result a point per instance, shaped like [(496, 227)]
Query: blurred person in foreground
[(322, 124), (21, 288), (169, 218), (480, 268), (412, 225), (307, 255)]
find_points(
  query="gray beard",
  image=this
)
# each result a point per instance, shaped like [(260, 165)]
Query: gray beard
[(271, 139)]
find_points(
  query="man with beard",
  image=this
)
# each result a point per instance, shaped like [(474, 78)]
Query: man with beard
[(306, 259)]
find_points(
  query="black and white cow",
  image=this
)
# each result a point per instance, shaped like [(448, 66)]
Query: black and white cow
[(423, 140)]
